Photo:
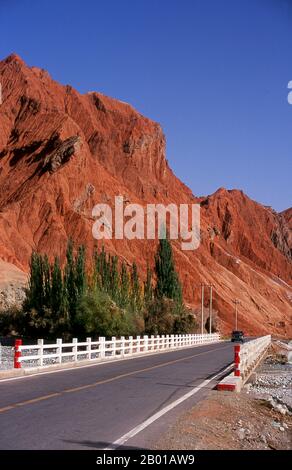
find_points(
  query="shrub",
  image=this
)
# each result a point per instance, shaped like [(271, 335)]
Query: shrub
[(165, 316), (98, 315)]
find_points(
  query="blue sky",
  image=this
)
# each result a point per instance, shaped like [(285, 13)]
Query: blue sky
[(213, 74)]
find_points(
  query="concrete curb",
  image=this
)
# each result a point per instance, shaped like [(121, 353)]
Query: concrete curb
[(230, 383)]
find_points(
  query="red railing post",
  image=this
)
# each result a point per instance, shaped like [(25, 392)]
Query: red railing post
[(17, 354), (237, 360)]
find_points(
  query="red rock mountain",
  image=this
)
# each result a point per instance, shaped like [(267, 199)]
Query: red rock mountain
[(62, 152)]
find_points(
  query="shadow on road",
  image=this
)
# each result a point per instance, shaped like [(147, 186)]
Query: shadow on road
[(100, 445)]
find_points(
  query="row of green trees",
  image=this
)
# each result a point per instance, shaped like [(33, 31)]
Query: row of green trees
[(101, 297)]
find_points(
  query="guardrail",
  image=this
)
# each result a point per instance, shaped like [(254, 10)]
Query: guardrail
[(246, 358), (248, 355), (43, 354)]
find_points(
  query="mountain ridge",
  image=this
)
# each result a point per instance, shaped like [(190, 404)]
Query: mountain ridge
[(62, 152)]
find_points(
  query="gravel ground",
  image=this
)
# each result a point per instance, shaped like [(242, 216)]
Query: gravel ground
[(273, 379), (273, 382), (229, 421), (6, 357)]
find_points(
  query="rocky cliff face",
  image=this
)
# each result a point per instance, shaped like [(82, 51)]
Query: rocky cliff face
[(61, 153)]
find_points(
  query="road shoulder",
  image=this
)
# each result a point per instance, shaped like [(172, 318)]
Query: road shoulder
[(260, 417)]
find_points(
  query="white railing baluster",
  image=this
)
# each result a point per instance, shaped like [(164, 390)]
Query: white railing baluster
[(113, 346), (59, 350), (130, 345), (146, 339), (41, 351), (88, 347), (122, 346), (75, 349), (102, 347)]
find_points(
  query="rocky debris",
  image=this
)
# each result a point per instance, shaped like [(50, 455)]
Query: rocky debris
[(54, 140), (275, 405), (61, 155), (227, 223), (213, 232), (12, 286), (241, 433), (284, 351), (281, 235), (273, 383), (279, 359), (81, 201), (11, 295)]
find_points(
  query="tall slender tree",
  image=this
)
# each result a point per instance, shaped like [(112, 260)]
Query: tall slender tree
[(114, 278), (69, 281), (47, 281), (148, 288), (168, 284), (80, 271), (124, 287), (136, 299), (57, 291)]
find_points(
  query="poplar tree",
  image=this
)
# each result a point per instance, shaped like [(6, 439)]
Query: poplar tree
[(80, 271), (124, 287), (46, 281), (148, 288), (168, 284), (69, 280), (136, 303), (104, 269), (57, 291), (35, 291), (114, 278)]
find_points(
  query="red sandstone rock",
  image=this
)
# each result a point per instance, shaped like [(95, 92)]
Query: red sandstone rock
[(61, 153)]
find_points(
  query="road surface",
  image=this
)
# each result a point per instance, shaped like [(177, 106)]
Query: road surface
[(122, 404)]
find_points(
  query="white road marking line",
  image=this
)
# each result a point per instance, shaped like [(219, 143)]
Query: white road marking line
[(122, 440)]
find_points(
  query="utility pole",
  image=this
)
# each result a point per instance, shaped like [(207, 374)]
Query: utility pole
[(202, 309), (236, 302), (210, 308)]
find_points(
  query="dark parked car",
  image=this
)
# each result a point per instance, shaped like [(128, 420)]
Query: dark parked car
[(237, 337)]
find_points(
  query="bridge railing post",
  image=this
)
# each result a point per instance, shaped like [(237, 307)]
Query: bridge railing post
[(102, 347), (17, 353), (237, 360)]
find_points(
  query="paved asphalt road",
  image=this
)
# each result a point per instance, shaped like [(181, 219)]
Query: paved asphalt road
[(93, 407)]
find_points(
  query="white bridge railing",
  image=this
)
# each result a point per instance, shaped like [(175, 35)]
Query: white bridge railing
[(42, 354), (248, 355)]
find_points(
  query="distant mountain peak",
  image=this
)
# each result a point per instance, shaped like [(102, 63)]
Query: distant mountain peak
[(62, 152)]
